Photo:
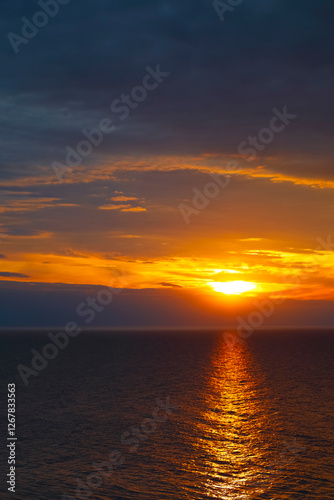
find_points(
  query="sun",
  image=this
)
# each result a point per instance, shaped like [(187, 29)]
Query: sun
[(233, 287)]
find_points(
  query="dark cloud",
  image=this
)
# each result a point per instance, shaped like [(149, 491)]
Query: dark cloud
[(148, 307), (225, 78), (13, 275), (14, 230)]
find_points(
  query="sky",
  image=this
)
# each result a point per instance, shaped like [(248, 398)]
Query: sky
[(207, 159)]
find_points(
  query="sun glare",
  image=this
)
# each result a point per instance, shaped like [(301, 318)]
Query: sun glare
[(233, 287)]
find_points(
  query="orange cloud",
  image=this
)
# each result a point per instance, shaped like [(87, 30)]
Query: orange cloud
[(122, 208), (123, 198)]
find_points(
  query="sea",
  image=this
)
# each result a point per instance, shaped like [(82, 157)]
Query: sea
[(169, 415)]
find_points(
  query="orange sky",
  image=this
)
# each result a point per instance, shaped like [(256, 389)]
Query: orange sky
[(262, 228)]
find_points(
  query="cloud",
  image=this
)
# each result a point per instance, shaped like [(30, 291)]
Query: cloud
[(55, 304), (13, 275), (122, 208), (123, 198), (209, 105), (170, 284)]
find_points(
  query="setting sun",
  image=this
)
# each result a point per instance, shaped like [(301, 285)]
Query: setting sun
[(233, 287)]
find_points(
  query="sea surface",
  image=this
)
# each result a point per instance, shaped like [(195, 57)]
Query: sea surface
[(172, 415)]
